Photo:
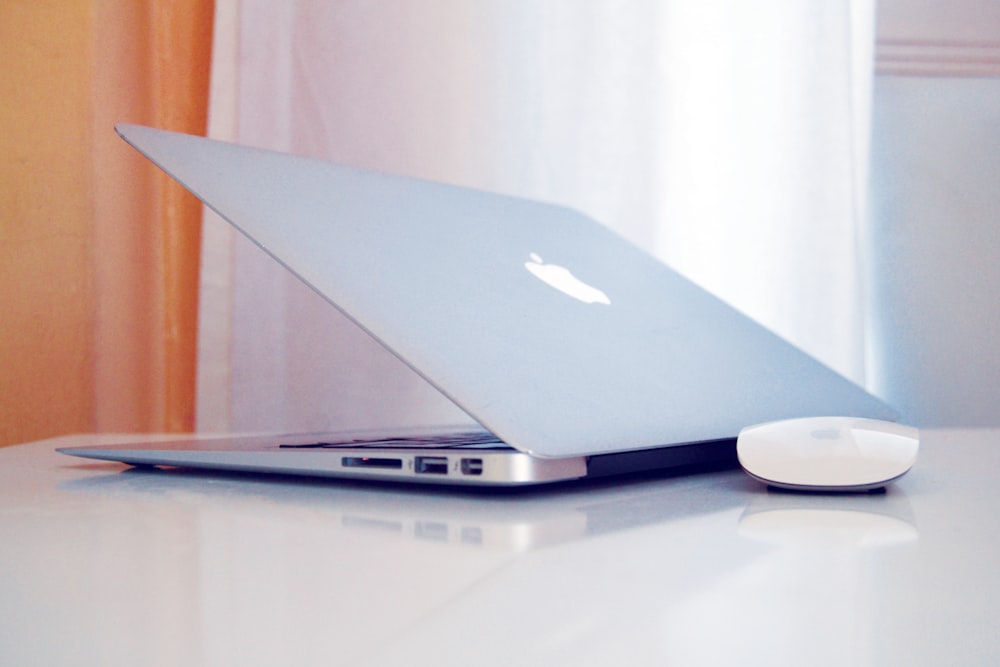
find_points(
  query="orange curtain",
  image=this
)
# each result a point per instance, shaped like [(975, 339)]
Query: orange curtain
[(98, 251)]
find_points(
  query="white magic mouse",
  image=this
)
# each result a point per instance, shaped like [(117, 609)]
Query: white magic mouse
[(828, 453)]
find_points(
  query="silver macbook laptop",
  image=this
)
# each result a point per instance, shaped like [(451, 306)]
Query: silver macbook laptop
[(578, 353)]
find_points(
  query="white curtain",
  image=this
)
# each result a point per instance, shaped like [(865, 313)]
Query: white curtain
[(728, 138)]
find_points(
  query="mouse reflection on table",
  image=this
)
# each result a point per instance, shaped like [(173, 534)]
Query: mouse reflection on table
[(828, 454)]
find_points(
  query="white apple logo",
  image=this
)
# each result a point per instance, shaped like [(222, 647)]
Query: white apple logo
[(563, 280)]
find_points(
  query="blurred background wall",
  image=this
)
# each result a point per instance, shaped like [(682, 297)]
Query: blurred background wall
[(933, 238), (99, 254)]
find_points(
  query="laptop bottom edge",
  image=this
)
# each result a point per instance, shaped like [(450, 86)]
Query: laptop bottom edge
[(451, 466)]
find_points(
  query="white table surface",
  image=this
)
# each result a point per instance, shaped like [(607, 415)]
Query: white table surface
[(102, 565)]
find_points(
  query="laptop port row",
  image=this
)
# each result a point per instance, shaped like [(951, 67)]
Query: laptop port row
[(422, 465)]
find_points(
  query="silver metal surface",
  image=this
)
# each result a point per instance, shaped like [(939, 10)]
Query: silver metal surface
[(472, 467), (470, 289)]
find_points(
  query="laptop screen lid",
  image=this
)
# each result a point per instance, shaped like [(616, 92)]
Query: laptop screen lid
[(550, 330)]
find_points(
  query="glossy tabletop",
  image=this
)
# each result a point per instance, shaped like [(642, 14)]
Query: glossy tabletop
[(103, 565)]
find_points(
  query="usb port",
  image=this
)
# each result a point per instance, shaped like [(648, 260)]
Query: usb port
[(431, 465), (472, 466)]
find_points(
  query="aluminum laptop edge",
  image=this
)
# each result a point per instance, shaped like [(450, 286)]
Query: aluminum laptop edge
[(578, 353)]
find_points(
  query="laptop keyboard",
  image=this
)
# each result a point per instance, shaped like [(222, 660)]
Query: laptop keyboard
[(465, 440)]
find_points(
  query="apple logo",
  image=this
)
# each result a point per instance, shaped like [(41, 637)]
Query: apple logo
[(563, 280)]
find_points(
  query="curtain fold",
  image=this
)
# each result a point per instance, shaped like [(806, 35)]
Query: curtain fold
[(728, 139), (182, 46), (152, 66)]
